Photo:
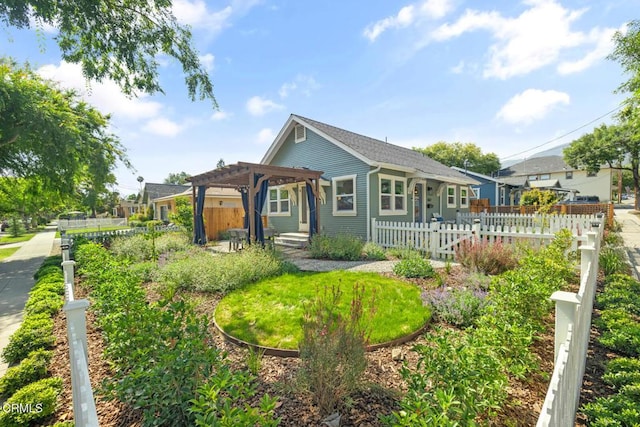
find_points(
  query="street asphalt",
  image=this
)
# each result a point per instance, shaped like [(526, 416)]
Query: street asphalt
[(16, 280)]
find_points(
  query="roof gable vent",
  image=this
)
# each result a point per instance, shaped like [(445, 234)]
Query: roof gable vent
[(300, 133)]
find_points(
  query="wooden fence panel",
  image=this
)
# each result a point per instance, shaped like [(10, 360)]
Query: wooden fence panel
[(220, 219)]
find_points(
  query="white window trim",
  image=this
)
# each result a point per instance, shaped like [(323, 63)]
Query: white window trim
[(455, 194), (393, 210), (334, 200), (279, 199), (464, 205), (295, 133)]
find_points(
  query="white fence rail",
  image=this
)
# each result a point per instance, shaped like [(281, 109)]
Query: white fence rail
[(440, 240), (84, 406), (572, 331), (70, 224)]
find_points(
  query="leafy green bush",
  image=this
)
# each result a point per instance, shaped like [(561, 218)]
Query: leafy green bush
[(481, 256), (332, 349), (373, 252), (620, 331), (43, 301), (54, 260), (54, 286), (134, 248), (30, 370), (344, 247), (172, 242), (33, 402), (622, 371), (200, 270), (457, 379), (613, 261), (621, 292), (144, 270), (35, 332), (414, 266), (620, 409), (217, 402), (46, 270)]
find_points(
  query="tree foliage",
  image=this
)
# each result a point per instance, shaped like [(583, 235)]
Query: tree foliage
[(120, 40), (51, 138), (467, 156), (177, 178), (627, 53)]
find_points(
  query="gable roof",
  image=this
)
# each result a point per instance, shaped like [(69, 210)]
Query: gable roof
[(536, 165), (154, 191), (372, 151), (477, 174)]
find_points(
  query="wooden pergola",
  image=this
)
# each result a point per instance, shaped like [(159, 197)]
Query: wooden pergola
[(243, 176)]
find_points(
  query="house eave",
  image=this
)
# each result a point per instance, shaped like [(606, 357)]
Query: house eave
[(449, 179)]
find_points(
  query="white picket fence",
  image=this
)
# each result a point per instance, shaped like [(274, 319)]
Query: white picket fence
[(440, 240), (572, 330), (70, 224), (84, 406), (553, 222)]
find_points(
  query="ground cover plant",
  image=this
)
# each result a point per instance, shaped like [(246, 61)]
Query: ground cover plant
[(270, 312), (162, 354), (346, 247)]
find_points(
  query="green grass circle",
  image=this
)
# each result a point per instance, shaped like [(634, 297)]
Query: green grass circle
[(269, 313)]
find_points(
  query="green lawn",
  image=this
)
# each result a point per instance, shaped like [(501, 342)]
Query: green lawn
[(7, 252), (8, 239), (269, 313)]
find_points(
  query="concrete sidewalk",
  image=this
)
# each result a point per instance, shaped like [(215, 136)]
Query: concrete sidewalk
[(16, 280), (630, 223)]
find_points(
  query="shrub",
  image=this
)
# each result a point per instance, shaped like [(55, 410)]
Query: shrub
[(457, 379), (172, 242), (39, 397), (622, 292), (55, 286), (199, 270), (35, 332), (30, 370), (332, 349), (620, 409), (345, 247), (143, 271), (481, 256), (414, 266), (622, 371), (54, 260), (46, 270), (43, 301), (373, 252), (458, 307), (613, 261), (133, 248), (620, 331)]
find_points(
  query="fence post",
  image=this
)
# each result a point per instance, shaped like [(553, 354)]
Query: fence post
[(434, 238), (566, 306), (374, 233), (477, 226)]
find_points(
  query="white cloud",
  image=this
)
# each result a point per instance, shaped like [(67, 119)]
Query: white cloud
[(105, 96), (207, 60), (162, 127), (531, 105), (302, 83), (220, 115), (534, 39), (258, 106), (265, 136), (603, 40), (407, 16), (196, 13), (458, 69)]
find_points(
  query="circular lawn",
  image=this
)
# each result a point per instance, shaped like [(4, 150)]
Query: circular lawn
[(269, 313)]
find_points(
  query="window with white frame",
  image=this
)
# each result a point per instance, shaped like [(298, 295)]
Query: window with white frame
[(279, 201), (503, 195), (464, 197), (451, 196), (344, 195), (393, 195)]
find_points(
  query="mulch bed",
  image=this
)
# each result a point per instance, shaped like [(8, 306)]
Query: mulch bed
[(382, 388)]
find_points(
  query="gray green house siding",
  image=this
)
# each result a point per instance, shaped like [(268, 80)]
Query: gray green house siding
[(319, 154)]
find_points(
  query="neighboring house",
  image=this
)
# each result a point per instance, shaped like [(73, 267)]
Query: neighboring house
[(551, 172), (495, 190), (153, 191), (215, 197), (363, 178), (125, 208)]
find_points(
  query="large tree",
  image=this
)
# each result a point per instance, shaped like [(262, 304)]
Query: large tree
[(467, 156), (121, 40), (627, 53), (177, 178), (51, 135)]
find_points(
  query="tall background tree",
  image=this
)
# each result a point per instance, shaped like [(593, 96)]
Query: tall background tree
[(177, 178), (467, 156), (120, 40), (51, 137), (617, 145)]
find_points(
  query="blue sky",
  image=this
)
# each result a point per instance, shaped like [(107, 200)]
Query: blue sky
[(506, 75)]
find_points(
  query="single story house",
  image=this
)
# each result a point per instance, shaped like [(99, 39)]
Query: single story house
[(362, 178), (495, 190), (215, 198), (153, 191)]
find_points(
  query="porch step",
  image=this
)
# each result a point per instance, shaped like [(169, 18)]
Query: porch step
[(292, 240)]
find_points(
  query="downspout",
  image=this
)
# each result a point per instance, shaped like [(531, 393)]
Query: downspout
[(371, 172)]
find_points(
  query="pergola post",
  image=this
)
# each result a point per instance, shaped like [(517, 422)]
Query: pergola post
[(252, 202), (317, 196), (193, 209)]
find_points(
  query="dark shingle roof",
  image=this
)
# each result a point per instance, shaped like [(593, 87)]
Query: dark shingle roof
[(536, 165), (154, 191), (383, 152)]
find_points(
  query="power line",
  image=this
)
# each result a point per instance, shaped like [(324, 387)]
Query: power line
[(566, 134)]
